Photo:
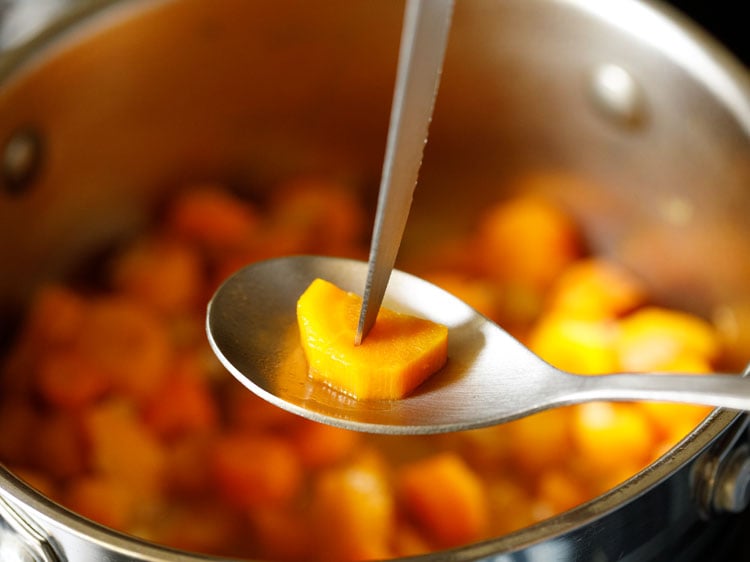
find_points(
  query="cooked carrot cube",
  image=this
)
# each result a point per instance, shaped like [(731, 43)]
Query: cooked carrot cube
[(324, 217), (576, 345), (353, 512), (128, 342), (18, 421), (596, 289), (560, 490), (66, 379), (399, 353), (255, 470), (528, 240), (611, 436), (213, 218), (282, 533), (121, 447), (59, 446), (183, 404), (652, 338), (446, 498), (539, 441), (166, 276), (106, 500), (320, 444)]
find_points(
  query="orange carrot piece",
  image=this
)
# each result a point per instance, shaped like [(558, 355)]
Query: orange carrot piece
[(183, 405), (595, 289), (210, 216), (320, 445), (652, 338), (609, 436), (282, 533), (107, 501), (528, 240), (121, 447), (400, 352), (324, 217), (446, 498), (255, 470), (166, 276), (59, 446), (128, 342), (65, 379), (353, 512)]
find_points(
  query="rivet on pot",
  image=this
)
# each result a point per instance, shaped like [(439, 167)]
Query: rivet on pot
[(617, 96), (733, 484), (21, 160)]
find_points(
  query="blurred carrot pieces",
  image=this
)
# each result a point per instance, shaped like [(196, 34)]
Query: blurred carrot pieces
[(55, 316), (560, 490), (653, 338), (247, 411), (596, 289), (400, 352), (325, 217), (353, 511), (106, 500), (610, 436), (203, 527), (255, 470), (320, 445), (121, 447), (184, 404), (37, 479), (59, 446), (576, 345), (65, 379), (189, 474), (539, 441), (528, 240), (128, 342), (211, 217), (18, 422), (282, 534), (164, 275), (446, 498)]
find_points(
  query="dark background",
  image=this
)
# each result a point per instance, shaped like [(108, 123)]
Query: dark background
[(725, 20)]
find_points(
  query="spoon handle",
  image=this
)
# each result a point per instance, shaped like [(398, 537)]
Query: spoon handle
[(719, 390), (423, 41)]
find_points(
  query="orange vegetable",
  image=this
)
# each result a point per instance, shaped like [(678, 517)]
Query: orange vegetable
[(652, 339), (528, 240), (255, 471), (66, 379), (353, 512), (167, 276), (213, 218), (446, 498), (320, 445), (128, 342), (122, 448), (596, 289), (183, 404), (105, 500), (399, 353)]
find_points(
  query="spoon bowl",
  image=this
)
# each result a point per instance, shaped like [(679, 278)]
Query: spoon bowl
[(490, 377)]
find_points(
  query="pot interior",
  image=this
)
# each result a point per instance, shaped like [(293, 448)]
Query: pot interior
[(643, 122)]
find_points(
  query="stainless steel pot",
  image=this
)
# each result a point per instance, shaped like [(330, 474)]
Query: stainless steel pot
[(114, 102)]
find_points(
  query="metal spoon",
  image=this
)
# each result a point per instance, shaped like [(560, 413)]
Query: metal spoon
[(490, 377)]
